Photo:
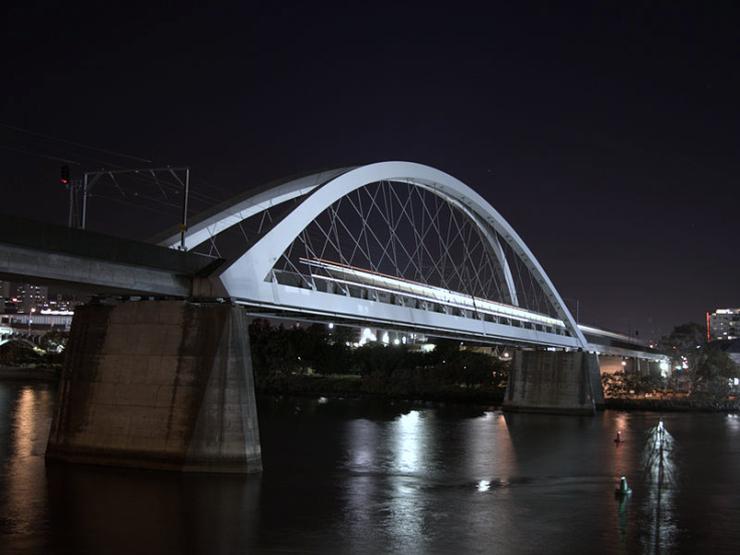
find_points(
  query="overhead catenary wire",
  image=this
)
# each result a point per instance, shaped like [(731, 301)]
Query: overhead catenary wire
[(77, 162), (46, 156), (73, 143)]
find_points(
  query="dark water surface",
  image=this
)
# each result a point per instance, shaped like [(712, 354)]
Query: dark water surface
[(386, 477)]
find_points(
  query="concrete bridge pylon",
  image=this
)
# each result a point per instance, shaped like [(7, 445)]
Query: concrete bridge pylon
[(161, 385)]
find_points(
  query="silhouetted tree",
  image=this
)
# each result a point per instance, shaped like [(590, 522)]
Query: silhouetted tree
[(709, 368), (712, 372)]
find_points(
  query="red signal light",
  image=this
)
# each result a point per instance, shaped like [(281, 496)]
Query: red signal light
[(64, 175)]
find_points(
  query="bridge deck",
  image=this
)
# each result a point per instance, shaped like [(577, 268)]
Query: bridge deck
[(48, 253)]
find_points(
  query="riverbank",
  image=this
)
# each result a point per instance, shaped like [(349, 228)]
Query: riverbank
[(683, 404), (29, 373), (356, 386)]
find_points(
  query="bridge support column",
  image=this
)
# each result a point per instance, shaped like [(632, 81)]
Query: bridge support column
[(554, 382), (158, 384)]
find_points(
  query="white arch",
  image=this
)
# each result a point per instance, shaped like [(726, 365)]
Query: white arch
[(250, 271), (234, 211), (237, 210)]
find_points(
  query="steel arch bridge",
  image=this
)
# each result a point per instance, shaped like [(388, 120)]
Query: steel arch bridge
[(396, 244)]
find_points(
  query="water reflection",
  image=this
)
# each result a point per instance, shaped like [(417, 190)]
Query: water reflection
[(23, 503), (623, 506), (626, 445), (348, 476), (362, 490), (626, 448), (661, 480), (106, 510), (362, 442), (406, 515), (487, 449), (409, 440), (733, 423)]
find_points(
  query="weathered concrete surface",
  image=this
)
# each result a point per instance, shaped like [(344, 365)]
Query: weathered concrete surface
[(554, 382), (591, 360), (158, 384)]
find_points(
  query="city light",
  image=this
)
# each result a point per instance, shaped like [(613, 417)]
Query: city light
[(664, 368), (366, 336)]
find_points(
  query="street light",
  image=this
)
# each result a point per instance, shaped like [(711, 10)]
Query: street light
[(30, 320)]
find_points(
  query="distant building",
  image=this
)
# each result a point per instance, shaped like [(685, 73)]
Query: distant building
[(35, 300), (30, 298), (62, 303), (723, 323), (732, 348), (4, 293), (23, 298)]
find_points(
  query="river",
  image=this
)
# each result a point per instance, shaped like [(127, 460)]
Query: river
[(378, 476)]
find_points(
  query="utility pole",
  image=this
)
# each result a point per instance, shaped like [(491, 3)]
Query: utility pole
[(79, 191)]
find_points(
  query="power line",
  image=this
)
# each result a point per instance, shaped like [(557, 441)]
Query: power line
[(205, 197), (73, 143), (47, 156), (133, 204)]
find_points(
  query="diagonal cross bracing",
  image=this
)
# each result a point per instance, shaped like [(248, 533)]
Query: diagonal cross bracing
[(410, 225)]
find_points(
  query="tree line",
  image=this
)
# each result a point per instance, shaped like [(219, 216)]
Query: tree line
[(314, 349), (699, 367)]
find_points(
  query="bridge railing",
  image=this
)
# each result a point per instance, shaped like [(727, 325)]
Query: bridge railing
[(332, 277)]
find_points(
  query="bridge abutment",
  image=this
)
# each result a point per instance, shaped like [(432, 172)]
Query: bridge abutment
[(158, 384), (560, 382)]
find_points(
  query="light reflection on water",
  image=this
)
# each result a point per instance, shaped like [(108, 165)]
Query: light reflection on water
[(733, 423), (30, 416), (405, 519), (373, 476), (409, 434), (661, 480)]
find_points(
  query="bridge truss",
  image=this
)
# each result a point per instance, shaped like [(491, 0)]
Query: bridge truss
[(398, 244)]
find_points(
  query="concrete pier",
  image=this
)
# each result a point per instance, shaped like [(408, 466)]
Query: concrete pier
[(158, 384), (556, 382)]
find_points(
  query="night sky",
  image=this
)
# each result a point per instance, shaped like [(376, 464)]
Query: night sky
[(607, 134)]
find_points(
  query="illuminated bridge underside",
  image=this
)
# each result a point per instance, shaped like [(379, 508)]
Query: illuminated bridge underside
[(269, 276)]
